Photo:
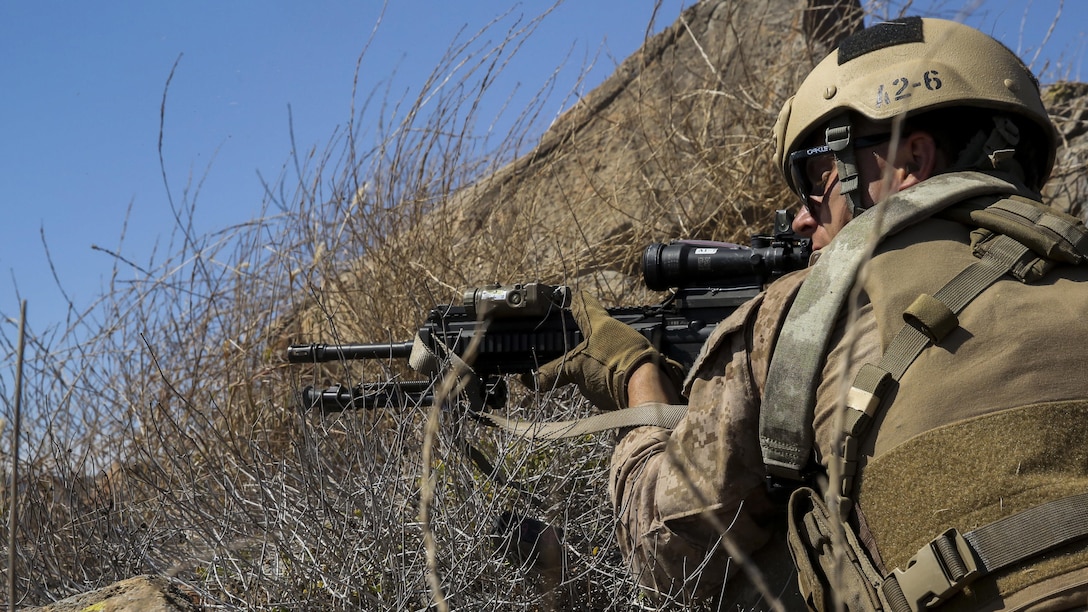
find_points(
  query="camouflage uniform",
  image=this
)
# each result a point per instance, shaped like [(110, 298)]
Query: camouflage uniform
[(987, 423), (989, 420), (664, 482)]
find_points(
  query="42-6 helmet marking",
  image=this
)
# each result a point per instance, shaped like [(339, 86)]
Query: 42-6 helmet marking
[(901, 87)]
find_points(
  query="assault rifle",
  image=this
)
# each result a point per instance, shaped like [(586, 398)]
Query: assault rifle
[(516, 328)]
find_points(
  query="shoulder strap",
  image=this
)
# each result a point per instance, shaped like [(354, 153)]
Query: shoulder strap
[(1017, 236), (926, 321), (789, 399)]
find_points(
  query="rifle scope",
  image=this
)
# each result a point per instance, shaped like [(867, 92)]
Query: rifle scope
[(697, 263)]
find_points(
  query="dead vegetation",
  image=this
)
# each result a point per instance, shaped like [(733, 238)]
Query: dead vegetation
[(162, 432)]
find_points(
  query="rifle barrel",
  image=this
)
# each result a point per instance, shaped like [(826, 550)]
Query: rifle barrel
[(368, 396), (314, 353)]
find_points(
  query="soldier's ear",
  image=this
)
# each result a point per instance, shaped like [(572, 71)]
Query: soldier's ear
[(918, 158)]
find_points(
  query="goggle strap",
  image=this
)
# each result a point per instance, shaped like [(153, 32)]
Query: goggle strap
[(837, 137)]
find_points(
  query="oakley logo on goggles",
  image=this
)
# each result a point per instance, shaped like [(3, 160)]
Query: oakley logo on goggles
[(811, 168)]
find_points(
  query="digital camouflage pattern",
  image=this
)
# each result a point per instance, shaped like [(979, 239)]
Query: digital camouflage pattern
[(686, 497), (989, 422)]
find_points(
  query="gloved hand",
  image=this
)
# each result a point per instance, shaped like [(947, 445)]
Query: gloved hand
[(609, 352)]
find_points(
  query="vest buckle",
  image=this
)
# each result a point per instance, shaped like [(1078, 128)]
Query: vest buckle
[(935, 573)]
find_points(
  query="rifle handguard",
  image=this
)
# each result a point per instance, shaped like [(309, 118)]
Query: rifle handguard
[(601, 364)]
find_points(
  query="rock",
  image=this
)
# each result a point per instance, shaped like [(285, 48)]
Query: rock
[(140, 594), (1067, 104)]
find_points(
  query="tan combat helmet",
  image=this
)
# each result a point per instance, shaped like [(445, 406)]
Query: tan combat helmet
[(905, 67)]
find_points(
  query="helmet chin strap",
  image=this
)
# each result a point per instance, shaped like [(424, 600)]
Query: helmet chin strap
[(837, 137)]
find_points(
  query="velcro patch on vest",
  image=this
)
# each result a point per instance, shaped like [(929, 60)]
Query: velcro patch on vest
[(975, 472)]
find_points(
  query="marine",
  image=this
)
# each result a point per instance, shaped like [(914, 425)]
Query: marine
[(905, 419)]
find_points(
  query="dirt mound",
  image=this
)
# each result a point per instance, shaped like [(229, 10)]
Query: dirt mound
[(675, 144)]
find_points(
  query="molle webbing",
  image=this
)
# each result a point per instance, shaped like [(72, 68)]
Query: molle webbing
[(1052, 237), (952, 561), (927, 321), (1011, 485), (786, 436)]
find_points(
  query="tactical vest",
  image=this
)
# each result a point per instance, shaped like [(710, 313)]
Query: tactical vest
[(1014, 237)]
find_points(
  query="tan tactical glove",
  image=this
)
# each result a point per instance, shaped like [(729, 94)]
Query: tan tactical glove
[(609, 352)]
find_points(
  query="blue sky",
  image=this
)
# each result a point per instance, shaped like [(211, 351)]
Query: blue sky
[(81, 87)]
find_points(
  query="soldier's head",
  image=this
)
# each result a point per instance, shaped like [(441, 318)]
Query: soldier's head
[(900, 102)]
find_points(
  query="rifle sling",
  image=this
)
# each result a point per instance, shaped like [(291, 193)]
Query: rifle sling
[(660, 415)]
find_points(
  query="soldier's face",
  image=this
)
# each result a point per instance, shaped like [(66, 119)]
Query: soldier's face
[(822, 217), (826, 211)]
